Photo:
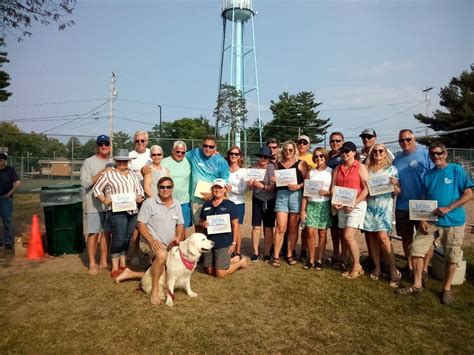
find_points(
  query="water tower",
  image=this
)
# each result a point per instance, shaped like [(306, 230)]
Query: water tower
[(238, 57)]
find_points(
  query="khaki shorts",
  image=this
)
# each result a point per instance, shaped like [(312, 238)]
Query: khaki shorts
[(219, 258), (196, 211), (451, 239), (355, 219)]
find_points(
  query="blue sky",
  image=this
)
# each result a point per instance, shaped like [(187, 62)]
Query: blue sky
[(351, 54)]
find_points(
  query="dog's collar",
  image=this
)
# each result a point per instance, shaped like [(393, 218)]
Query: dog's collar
[(189, 264)]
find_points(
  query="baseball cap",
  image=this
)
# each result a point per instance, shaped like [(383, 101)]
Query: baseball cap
[(368, 132), (219, 182), (102, 138), (304, 137), (3, 156)]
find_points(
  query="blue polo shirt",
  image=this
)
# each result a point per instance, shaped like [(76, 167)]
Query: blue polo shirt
[(221, 240), (411, 169), (447, 185), (206, 169)]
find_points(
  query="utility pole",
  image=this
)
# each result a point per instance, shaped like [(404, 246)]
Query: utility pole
[(113, 94), (161, 131), (427, 102)]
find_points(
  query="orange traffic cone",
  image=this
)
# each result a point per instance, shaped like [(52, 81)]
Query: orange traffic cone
[(35, 246)]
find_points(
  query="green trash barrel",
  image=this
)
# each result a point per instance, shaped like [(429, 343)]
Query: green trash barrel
[(62, 205)]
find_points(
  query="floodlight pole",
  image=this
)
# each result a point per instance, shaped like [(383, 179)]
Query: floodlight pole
[(113, 93), (427, 102)]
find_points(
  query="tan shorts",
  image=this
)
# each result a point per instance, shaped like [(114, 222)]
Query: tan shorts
[(355, 219), (196, 211), (451, 239)]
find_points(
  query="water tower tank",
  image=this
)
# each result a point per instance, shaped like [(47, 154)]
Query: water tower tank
[(237, 10)]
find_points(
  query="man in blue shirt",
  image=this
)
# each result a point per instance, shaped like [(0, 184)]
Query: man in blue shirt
[(206, 165), (449, 185), (412, 164)]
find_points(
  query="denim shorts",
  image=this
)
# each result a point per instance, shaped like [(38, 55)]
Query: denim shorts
[(288, 201), (240, 210), (98, 222)]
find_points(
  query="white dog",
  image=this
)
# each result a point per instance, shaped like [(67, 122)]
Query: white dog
[(180, 264)]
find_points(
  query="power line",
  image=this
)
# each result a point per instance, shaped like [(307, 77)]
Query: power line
[(74, 119), (51, 103)]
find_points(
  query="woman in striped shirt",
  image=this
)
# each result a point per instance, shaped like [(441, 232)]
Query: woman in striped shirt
[(116, 181)]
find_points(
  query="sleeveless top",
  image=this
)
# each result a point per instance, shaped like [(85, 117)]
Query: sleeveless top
[(349, 177), (299, 175)]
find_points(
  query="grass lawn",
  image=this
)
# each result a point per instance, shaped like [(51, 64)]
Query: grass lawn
[(55, 306)]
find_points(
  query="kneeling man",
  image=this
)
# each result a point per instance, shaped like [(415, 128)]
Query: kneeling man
[(451, 187), (160, 222)]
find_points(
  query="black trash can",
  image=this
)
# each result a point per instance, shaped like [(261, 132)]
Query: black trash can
[(62, 205)]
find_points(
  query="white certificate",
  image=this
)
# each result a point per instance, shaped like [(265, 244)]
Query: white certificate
[(255, 174), (422, 210), (124, 202), (202, 186), (379, 184), (312, 187), (285, 177), (218, 224), (344, 196)]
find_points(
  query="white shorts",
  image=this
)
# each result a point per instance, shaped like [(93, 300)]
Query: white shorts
[(355, 219)]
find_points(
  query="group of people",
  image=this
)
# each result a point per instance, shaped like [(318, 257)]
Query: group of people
[(138, 196)]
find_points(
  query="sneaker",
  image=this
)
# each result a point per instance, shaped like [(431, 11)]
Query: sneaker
[(254, 258)]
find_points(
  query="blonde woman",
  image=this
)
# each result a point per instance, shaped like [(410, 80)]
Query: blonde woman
[(288, 203), (316, 211), (237, 186), (379, 216), (155, 173)]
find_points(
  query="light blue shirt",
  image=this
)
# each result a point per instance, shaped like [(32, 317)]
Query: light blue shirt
[(206, 169), (411, 169), (446, 186), (180, 172)]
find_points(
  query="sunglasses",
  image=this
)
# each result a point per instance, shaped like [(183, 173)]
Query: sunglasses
[(156, 154), (432, 154), (103, 144), (401, 140), (180, 152), (165, 187), (140, 141), (335, 141), (232, 154), (366, 137), (302, 142), (208, 146), (380, 151), (319, 156), (273, 147)]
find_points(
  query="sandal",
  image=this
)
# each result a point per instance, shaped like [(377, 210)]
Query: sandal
[(308, 265), (447, 298), (409, 290), (276, 262), (374, 275), (291, 261), (395, 281), (353, 274), (318, 266)]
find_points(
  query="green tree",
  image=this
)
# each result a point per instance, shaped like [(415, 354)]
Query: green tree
[(230, 109), (458, 100), (86, 150), (122, 141), (17, 16), (184, 128), (73, 147), (4, 77), (294, 115)]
